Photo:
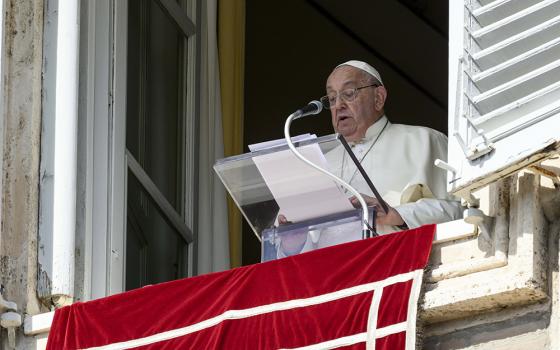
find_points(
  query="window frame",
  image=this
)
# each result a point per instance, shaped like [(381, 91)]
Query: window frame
[(106, 159)]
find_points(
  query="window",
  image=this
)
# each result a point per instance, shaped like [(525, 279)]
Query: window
[(504, 87), (141, 97), (157, 237)]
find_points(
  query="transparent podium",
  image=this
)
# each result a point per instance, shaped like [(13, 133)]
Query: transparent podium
[(316, 211)]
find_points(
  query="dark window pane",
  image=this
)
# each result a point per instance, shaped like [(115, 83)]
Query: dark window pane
[(155, 93), (155, 252)]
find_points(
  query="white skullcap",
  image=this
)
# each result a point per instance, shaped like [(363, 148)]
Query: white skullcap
[(363, 66)]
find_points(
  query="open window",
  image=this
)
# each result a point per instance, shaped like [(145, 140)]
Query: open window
[(138, 122), (504, 88)]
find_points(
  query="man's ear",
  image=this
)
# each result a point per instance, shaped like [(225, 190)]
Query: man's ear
[(380, 97)]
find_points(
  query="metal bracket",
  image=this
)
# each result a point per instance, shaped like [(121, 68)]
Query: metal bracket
[(445, 166), (479, 146), (9, 319), (6, 305)]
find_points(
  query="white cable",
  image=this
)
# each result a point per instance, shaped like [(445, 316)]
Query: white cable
[(365, 212)]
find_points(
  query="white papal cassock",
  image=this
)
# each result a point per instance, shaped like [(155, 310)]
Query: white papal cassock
[(399, 160)]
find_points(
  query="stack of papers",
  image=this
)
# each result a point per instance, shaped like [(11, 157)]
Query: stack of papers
[(301, 191)]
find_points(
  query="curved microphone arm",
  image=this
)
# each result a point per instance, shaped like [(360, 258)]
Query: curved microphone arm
[(366, 232)]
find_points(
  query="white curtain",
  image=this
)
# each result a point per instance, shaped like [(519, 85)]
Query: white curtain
[(213, 242)]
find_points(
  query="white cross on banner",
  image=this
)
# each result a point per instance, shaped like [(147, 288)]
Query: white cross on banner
[(358, 295)]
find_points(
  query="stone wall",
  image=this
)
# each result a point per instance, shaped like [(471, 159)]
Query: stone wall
[(495, 295), (21, 95)]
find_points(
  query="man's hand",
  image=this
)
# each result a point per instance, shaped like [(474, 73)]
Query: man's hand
[(292, 243), (282, 220), (391, 218)]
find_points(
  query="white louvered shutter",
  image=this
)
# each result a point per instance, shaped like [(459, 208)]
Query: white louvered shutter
[(504, 87)]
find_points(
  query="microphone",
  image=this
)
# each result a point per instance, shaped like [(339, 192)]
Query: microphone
[(314, 107)]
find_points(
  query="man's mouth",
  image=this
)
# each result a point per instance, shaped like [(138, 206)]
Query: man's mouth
[(343, 118)]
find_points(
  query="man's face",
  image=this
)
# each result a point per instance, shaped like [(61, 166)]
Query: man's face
[(352, 119)]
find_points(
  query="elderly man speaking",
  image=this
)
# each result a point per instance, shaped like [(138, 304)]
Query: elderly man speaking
[(399, 159)]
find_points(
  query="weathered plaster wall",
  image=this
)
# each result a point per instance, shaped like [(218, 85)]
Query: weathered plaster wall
[(522, 320), (22, 118), (533, 326)]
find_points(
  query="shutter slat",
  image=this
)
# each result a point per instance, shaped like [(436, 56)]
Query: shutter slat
[(524, 105), (522, 64), (518, 44), (486, 2), (520, 21), (500, 9), (516, 88), (527, 118)]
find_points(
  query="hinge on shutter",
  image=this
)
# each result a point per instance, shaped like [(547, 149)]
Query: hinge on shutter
[(479, 146)]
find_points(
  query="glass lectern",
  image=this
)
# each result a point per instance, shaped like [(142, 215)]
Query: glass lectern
[(271, 181)]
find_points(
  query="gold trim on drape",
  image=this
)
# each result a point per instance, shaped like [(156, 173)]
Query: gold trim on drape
[(231, 52)]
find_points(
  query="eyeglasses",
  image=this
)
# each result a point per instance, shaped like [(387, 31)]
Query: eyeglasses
[(347, 95)]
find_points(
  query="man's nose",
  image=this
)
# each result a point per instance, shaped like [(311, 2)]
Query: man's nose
[(338, 102)]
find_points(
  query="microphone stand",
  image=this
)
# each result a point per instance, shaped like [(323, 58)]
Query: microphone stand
[(382, 202), (366, 231)]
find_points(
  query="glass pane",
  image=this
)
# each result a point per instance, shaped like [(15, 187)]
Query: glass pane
[(155, 252), (155, 90), (262, 190)]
